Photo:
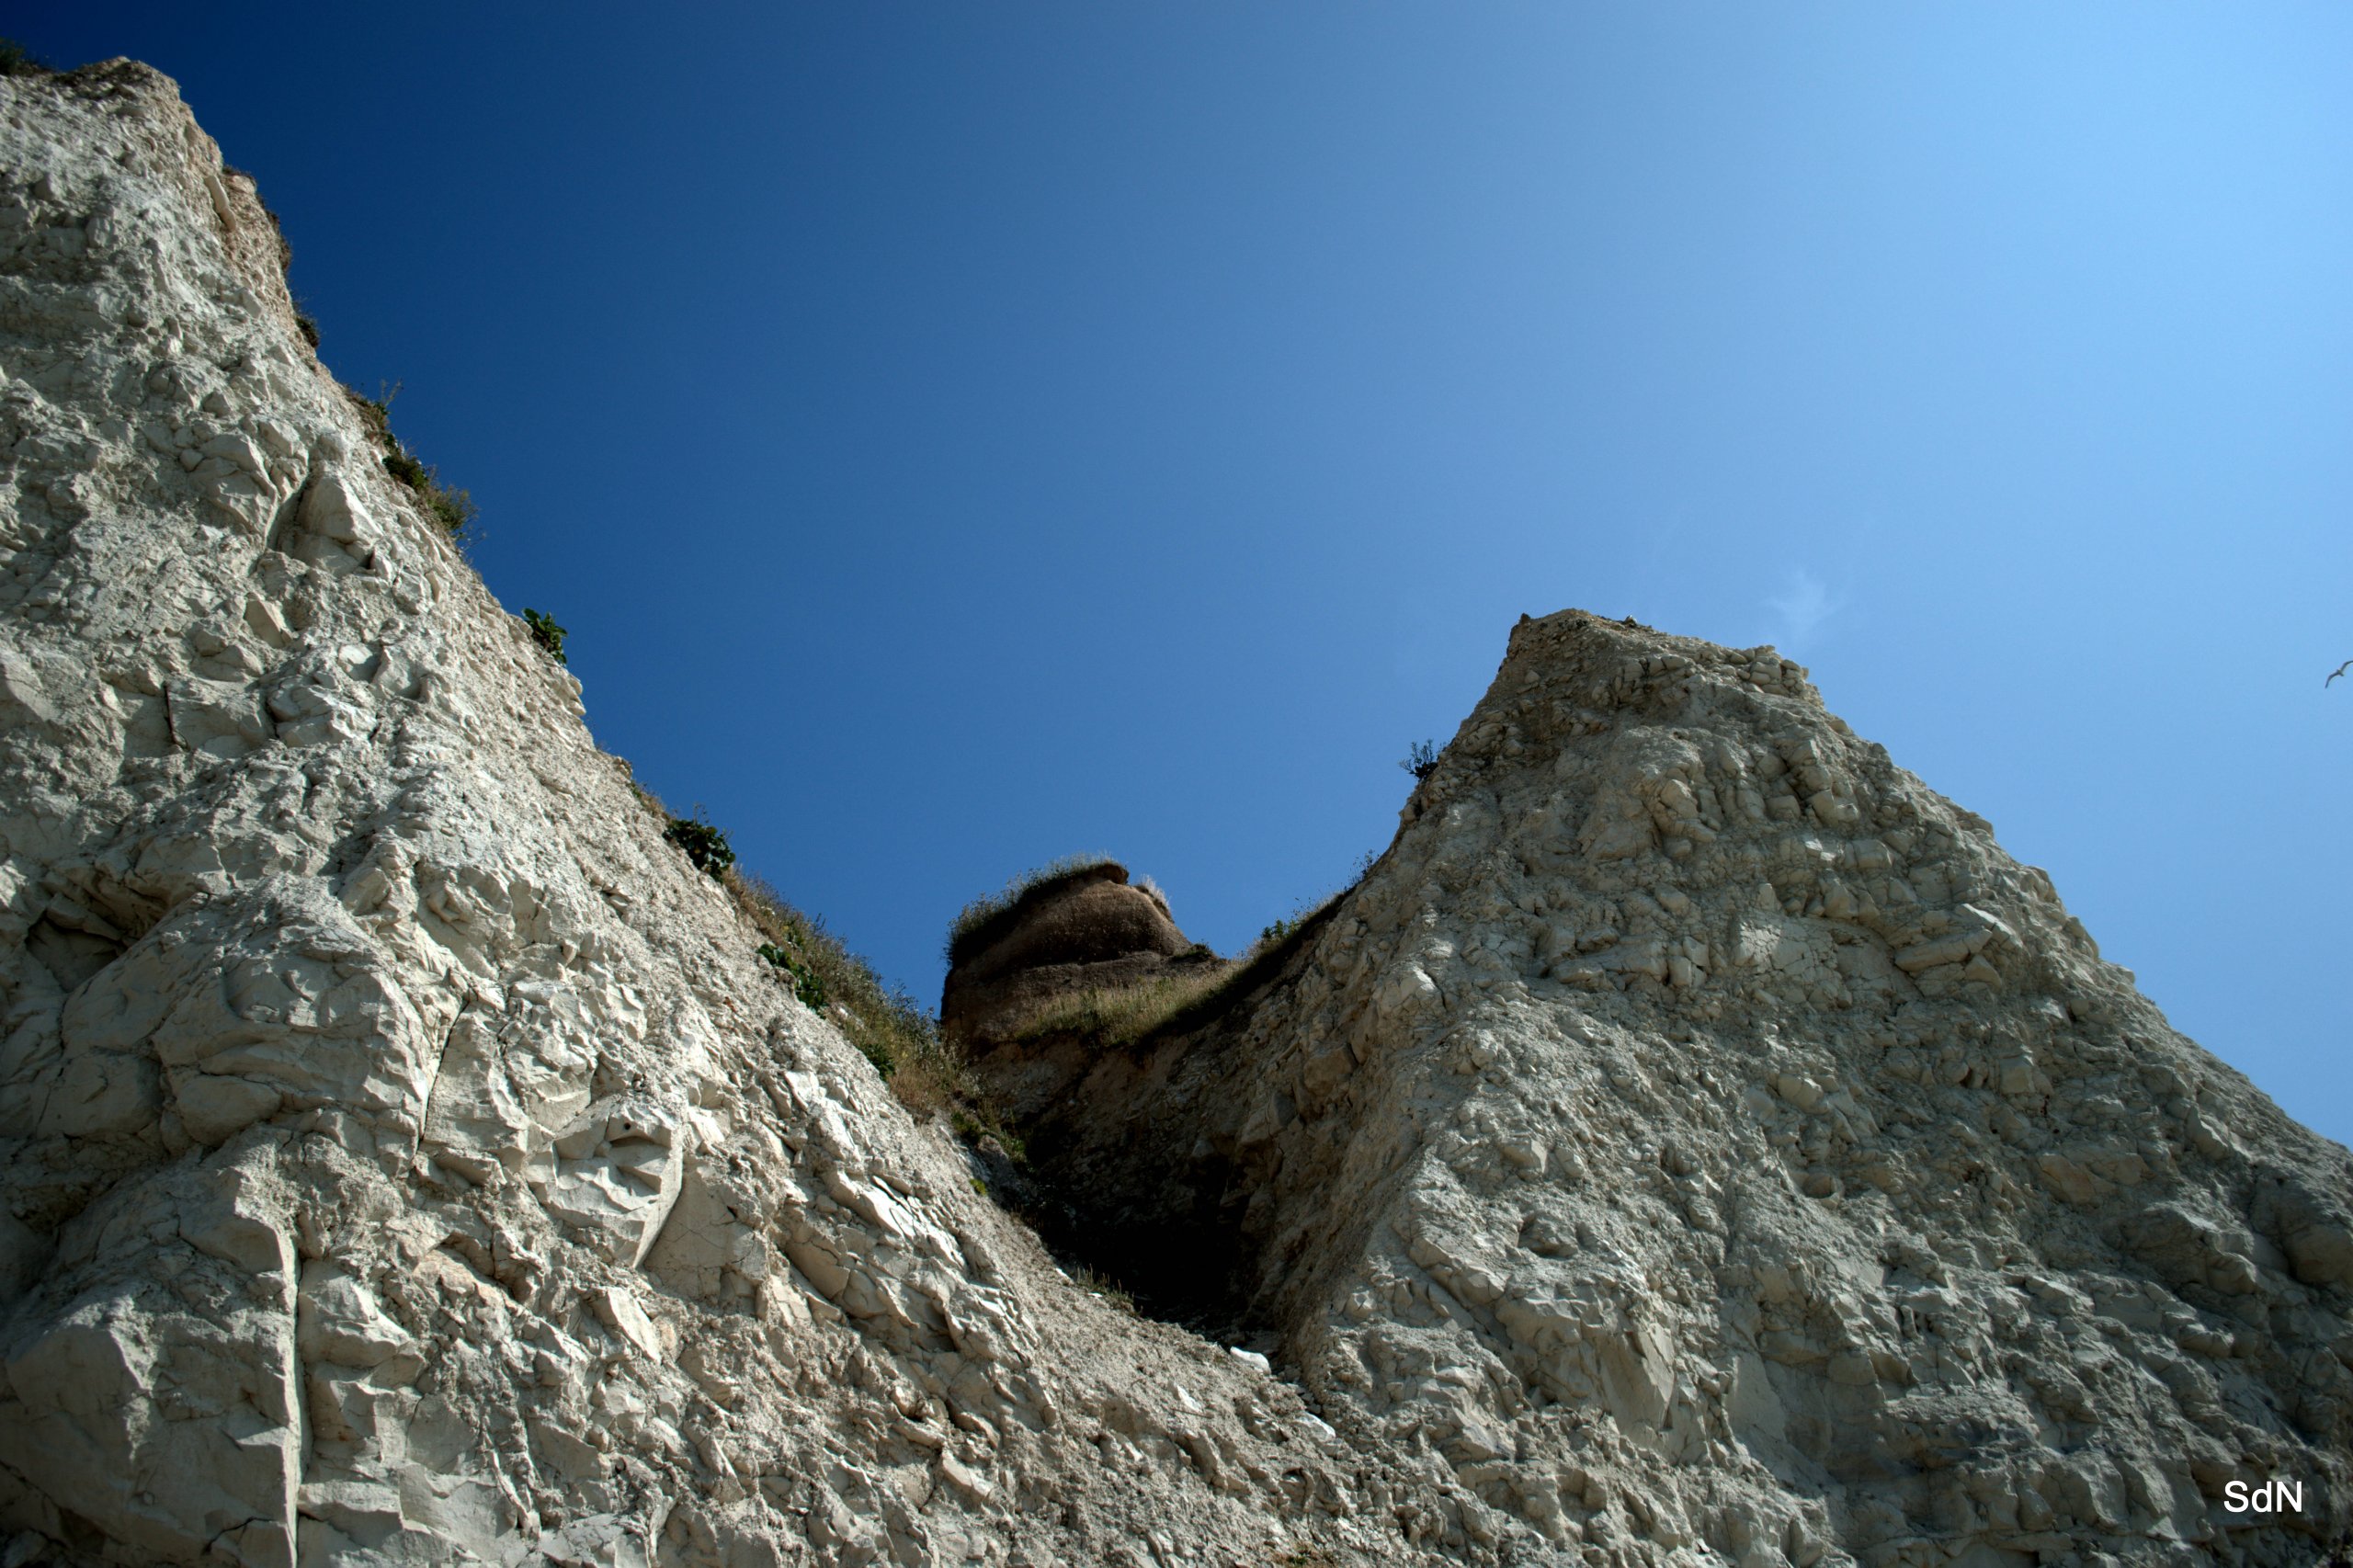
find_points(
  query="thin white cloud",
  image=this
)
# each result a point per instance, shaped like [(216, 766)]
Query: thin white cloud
[(1800, 609)]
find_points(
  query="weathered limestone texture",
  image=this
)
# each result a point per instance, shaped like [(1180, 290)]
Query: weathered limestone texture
[(403, 1158), (1694, 1143), (1702, 1135)]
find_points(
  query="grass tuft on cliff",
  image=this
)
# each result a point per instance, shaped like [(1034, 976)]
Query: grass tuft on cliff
[(1123, 1016), (16, 61), (453, 508), (985, 919), (889, 1027)]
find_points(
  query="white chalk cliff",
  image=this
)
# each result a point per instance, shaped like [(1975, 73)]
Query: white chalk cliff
[(1699, 1132), (1694, 1143)]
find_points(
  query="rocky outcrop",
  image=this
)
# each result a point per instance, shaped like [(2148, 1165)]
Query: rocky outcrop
[(1693, 1143), (1030, 980), (1699, 1132), (404, 1155), (1081, 931)]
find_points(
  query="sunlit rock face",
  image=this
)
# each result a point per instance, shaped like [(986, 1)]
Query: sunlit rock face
[(1701, 1133), (1694, 1141), (404, 1156)]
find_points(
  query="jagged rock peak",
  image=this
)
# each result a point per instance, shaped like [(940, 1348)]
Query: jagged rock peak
[(1702, 1134)]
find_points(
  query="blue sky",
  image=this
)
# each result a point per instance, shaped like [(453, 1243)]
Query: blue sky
[(958, 436)]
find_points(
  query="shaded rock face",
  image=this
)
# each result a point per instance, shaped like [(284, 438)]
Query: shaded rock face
[(1700, 1133), (1089, 930), (404, 1155)]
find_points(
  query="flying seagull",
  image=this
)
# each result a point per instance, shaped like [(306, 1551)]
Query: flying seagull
[(2347, 664)]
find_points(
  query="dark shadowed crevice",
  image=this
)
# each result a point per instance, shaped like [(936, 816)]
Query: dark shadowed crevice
[(1070, 1042)]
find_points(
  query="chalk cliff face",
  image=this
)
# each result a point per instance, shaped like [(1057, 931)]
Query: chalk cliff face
[(1701, 1133), (1694, 1141), (404, 1155)]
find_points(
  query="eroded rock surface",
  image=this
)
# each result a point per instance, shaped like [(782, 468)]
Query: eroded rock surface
[(1018, 987), (1695, 1143), (404, 1156), (1701, 1135), (1089, 929)]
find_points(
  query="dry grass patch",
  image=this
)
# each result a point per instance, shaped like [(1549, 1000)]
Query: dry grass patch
[(1102, 1288), (889, 1027), (1256, 967), (986, 918), (1173, 1003), (1122, 1015)]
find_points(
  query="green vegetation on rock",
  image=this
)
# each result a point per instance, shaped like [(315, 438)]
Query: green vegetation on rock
[(453, 508), (547, 633), (705, 845)]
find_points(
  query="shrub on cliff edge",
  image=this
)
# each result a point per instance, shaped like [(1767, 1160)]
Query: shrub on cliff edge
[(704, 843), (547, 633), (453, 508)]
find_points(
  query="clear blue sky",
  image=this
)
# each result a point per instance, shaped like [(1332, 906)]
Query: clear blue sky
[(957, 434)]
